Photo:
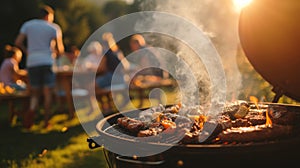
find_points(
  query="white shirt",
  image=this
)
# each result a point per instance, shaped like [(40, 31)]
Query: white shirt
[(40, 34)]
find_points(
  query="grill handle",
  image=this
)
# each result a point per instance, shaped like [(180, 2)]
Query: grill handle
[(139, 162), (92, 143)]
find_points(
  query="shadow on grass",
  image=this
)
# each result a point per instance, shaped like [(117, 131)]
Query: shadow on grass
[(17, 144), (91, 159)]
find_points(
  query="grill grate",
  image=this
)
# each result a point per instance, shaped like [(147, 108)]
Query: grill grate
[(119, 132), (116, 131)]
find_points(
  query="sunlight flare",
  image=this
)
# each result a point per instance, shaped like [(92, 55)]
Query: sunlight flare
[(240, 4)]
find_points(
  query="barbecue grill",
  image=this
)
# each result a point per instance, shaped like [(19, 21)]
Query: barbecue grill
[(275, 152), (269, 34)]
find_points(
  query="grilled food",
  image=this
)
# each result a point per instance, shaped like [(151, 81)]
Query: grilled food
[(238, 122)]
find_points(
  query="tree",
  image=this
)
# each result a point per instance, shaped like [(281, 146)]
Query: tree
[(78, 19), (114, 9), (12, 14)]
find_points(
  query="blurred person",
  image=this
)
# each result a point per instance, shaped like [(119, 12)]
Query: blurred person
[(44, 42), (110, 43), (113, 58), (10, 74), (147, 57), (91, 63), (92, 60), (117, 67), (69, 58), (73, 53), (63, 62)]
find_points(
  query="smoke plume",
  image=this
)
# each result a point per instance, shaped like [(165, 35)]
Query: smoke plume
[(219, 21)]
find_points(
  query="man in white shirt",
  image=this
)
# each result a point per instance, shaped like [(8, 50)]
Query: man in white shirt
[(44, 42)]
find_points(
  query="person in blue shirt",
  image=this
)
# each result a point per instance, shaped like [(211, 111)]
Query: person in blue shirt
[(44, 43)]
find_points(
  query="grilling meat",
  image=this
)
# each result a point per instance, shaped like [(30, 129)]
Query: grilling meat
[(254, 133), (280, 115), (130, 124), (253, 126), (256, 118), (237, 109), (153, 131), (238, 122)]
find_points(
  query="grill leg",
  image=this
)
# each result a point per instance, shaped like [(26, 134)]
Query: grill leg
[(278, 93), (276, 98)]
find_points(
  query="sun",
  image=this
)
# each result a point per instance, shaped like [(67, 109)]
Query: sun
[(240, 4)]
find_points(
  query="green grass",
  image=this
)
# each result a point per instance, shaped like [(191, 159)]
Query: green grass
[(62, 145)]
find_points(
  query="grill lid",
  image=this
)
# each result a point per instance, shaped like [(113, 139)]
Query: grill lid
[(270, 37)]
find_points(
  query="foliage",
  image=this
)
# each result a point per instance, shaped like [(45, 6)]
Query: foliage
[(115, 8), (78, 19), (74, 24), (12, 15), (142, 5)]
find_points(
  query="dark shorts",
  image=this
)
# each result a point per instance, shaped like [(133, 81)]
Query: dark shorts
[(41, 76)]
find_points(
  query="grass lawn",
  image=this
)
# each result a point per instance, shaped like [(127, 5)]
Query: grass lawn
[(62, 145)]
